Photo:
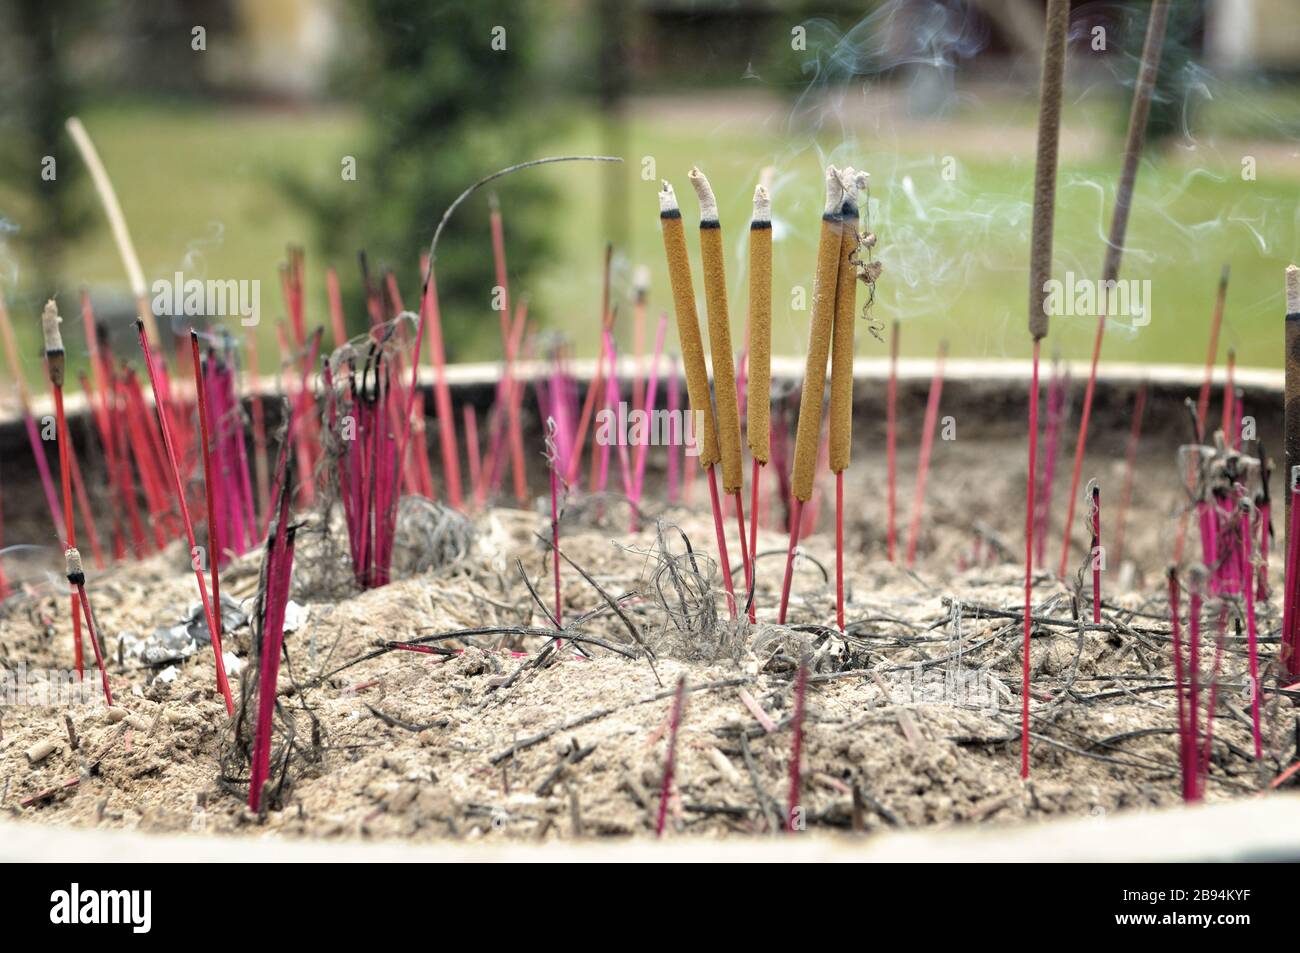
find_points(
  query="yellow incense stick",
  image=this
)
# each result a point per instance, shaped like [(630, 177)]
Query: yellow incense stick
[(846, 286), (724, 368), (759, 382), (819, 341), (688, 324)]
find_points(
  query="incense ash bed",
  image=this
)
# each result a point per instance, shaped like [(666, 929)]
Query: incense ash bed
[(374, 596), (910, 718)]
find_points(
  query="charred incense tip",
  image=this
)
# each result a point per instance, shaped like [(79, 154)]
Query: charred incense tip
[(54, 357), (1223, 276), (853, 181), (641, 282), (668, 207), (762, 208), (834, 193), (1295, 479), (708, 204), (72, 567), (1197, 574), (1292, 289), (50, 322)]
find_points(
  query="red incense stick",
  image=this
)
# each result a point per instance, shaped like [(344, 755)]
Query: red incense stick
[(54, 365), (209, 486), (670, 758), (1148, 67), (793, 814), (77, 579), (442, 393), (927, 444), (222, 684)]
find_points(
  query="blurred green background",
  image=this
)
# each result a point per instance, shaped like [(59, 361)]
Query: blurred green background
[(222, 156)]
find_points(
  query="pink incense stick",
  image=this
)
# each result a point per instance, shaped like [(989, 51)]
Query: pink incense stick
[(222, 684), (1251, 633), (648, 404), (1289, 652), (1195, 587), (552, 465), (1185, 740), (676, 436), (721, 533), (927, 443), (1095, 551)]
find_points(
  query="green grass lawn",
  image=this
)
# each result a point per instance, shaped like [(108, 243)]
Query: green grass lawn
[(198, 188)]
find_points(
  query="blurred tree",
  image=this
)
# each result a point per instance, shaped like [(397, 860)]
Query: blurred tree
[(450, 92), (36, 96)]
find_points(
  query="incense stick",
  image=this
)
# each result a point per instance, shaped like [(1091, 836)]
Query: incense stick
[(210, 490), (697, 375), (1040, 269), (808, 433), (1095, 550), (29, 422), (77, 579), (222, 684), (1137, 124), (793, 815), (54, 366), (891, 442), (842, 344), (1292, 408), (670, 758), (1251, 632), (758, 373), (927, 447), (724, 369), (116, 221)]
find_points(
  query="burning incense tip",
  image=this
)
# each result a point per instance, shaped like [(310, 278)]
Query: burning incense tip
[(708, 204), (1292, 289), (54, 357), (668, 202), (826, 277), (841, 422), (688, 322), (72, 567), (725, 399), (834, 192), (50, 322), (759, 379)]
